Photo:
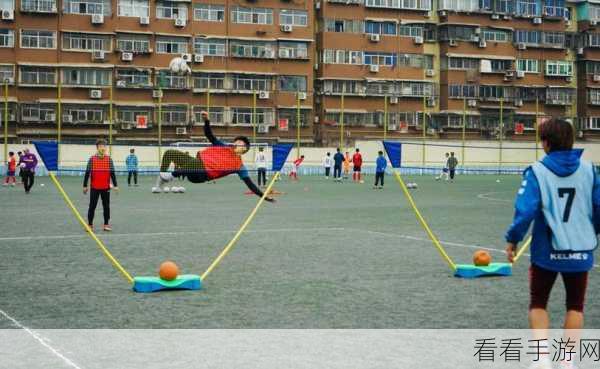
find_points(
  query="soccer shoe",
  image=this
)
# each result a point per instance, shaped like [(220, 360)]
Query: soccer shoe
[(166, 190), (107, 228), (156, 190)]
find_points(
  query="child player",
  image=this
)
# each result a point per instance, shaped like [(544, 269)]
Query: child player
[(381, 164), (294, 172), (561, 194), (100, 170), (214, 162), (11, 167), (347, 161), (357, 162)]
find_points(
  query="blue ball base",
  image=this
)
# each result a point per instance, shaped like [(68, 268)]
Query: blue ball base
[(473, 271), (155, 284)]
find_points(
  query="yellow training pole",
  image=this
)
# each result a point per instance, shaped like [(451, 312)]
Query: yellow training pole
[(424, 134), (59, 118), (537, 133), (385, 117), (208, 102), (241, 230), (342, 146), (254, 118), (159, 121), (434, 239), (464, 128), (103, 248), (298, 125), (501, 135), (522, 250), (5, 120)]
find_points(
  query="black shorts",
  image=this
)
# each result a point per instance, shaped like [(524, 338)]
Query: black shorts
[(357, 169), (540, 285)]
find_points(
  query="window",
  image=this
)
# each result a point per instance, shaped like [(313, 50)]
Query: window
[(7, 38), (408, 30), (166, 79), (463, 33), (462, 91), (292, 116), (594, 96), (559, 96), (459, 5), (343, 25), (211, 47), (499, 66), (7, 72), (592, 67), (528, 37), (297, 18), (38, 113), (88, 7), (83, 77), (463, 64), (592, 123), (528, 8), (174, 115), (556, 39), (380, 28), (530, 93), (252, 49), (491, 92), (293, 50), (133, 8), (211, 81), (400, 4), (528, 65), (85, 114), (7, 5), (85, 42), (559, 68), (342, 57), (133, 43), (43, 76), (416, 61), (243, 116), (342, 86), (592, 40), (38, 39), (593, 11), (554, 8), (415, 89), (350, 119), (171, 10), (252, 15), (292, 83), (504, 6), (376, 58), (493, 35), (457, 121), (133, 77), (209, 13), (251, 82), (216, 114), (38, 6), (171, 45), (130, 114)]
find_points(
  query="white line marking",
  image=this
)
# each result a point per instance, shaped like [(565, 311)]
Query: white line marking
[(485, 196), (41, 339)]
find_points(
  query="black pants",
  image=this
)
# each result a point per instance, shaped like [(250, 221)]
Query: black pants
[(379, 176), (262, 176), (28, 179), (327, 170), (452, 172), (94, 195), (134, 174), (337, 171)]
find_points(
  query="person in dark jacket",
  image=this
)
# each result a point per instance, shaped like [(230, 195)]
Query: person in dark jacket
[(100, 170), (338, 160), (28, 163)]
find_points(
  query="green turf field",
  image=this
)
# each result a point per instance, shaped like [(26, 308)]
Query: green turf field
[(327, 255)]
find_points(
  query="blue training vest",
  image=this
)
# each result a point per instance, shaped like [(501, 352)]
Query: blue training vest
[(567, 207)]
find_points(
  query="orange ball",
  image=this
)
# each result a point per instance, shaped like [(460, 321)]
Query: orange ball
[(482, 258), (168, 271)]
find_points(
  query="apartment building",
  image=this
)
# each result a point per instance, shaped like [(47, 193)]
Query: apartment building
[(588, 66), (86, 63)]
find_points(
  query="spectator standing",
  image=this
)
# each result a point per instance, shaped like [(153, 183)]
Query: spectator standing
[(132, 168)]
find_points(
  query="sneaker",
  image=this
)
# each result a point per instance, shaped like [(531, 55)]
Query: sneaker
[(91, 227), (163, 179), (107, 228), (156, 190)]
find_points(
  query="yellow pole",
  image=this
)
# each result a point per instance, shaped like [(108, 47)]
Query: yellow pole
[(208, 102), (298, 125), (537, 133), (110, 120), (522, 250), (254, 117), (59, 118), (385, 116), (159, 122), (85, 226), (424, 134), (5, 120), (241, 230), (464, 127), (433, 238), (501, 134), (342, 125)]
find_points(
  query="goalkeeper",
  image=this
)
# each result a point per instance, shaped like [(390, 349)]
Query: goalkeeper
[(216, 161)]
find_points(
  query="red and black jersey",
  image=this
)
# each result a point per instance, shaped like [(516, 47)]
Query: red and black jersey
[(101, 170), (357, 160), (220, 161)]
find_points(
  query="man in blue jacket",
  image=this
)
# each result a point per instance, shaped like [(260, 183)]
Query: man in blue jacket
[(561, 194), (132, 167), (338, 159), (381, 164)]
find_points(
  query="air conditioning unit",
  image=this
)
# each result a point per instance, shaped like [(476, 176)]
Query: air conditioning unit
[(97, 19), (393, 100), (121, 84), (452, 43), (580, 51), (569, 79), (144, 20), (198, 58), (287, 28), (181, 130), (518, 102), (442, 13), (429, 72), (9, 80), (567, 23), (431, 102), (593, 23), (180, 22), (50, 117), (284, 53), (495, 16), (263, 95), (95, 94), (506, 17), (98, 55), (8, 15), (127, 56), (482, 43), (509, 74), (596, 77), (262, 128), (157, 94), (373, 68), (126, 126), (520, 74), (521, 46), (478, 30), (472, 103), (475, 38), (67, 118), (302, 95), (537, 20), (418, 40), (187, 57), (374, 37)]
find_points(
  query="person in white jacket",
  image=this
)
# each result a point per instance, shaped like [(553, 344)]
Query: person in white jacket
[(327, 163), (261, 166)]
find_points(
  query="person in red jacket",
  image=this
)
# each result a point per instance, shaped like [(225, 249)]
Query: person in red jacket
[(101, 170), (357, 161), (11, 167)]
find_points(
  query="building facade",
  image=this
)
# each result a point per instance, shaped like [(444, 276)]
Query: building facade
[(434, 68)]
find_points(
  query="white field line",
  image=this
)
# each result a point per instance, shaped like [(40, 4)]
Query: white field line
[(486, 196)]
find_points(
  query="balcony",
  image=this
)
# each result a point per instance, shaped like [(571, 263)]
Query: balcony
[(38, 6)]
